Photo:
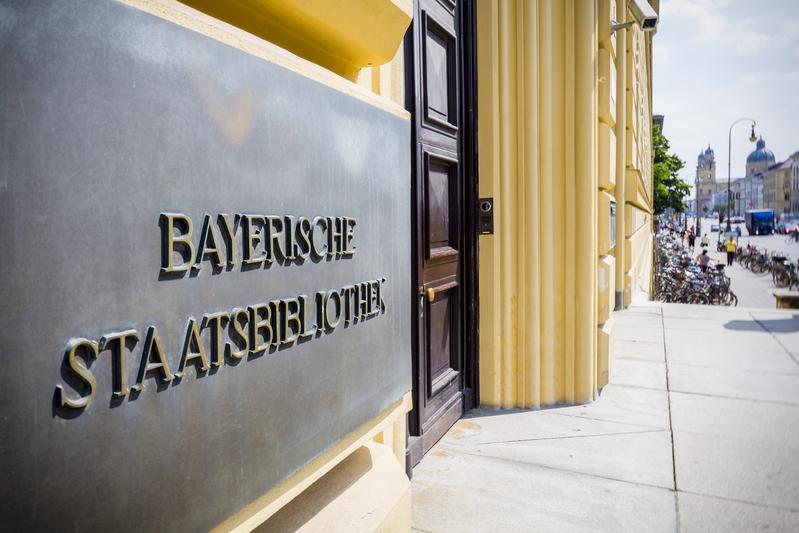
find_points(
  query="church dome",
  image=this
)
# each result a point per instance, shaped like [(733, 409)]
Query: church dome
[(761, 153)]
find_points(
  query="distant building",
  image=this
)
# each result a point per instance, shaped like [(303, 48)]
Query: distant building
[(777, 187), (719, 198), (759, 159), (657, 120), (795, 182), (735, 187), (757, 162), (752, 191), (706, 185)]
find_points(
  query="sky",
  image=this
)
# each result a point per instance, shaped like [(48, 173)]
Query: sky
[(718, 60)]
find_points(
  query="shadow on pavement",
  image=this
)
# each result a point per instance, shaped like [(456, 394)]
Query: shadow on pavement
[(743, 325), (781, 325), (480, 412)]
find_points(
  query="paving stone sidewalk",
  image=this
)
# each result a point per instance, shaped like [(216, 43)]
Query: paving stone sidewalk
[(698, 431)]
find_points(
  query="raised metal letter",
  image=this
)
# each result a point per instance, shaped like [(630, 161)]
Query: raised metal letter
[(116, 343), (171, 243), (83, 373)]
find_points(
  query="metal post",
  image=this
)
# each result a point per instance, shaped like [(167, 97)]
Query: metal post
[(729, 166), (729, 161), (696, 211)]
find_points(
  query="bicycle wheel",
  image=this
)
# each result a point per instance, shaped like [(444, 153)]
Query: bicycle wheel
[(731, 299), (782, 279), (698, 298)]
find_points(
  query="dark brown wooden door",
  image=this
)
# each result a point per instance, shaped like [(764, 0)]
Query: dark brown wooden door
[(435, 71)]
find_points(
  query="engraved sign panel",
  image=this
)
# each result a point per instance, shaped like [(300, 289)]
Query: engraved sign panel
[(204, 275)]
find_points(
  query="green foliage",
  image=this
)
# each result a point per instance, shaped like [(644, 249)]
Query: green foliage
[(669, 189)]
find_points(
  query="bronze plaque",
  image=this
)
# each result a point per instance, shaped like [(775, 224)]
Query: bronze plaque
[(205, 274)]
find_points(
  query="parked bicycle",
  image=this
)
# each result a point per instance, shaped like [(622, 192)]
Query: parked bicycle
[(784, 273), (680, 279)]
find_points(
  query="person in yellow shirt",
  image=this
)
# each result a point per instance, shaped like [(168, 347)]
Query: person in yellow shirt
[(730, 245)]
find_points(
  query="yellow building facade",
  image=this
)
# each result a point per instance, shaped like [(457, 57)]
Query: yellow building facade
[(565, 148), (542, 111)]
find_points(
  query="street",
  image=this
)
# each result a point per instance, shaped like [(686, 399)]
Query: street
[(776, 242)]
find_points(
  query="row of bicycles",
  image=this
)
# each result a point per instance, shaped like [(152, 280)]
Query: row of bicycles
[(784, 273), (680, 279)]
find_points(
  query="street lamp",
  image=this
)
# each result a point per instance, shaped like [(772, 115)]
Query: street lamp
[(752, 138), (697, 226)]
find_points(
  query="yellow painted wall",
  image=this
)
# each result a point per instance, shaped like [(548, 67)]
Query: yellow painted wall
[(608, 117), (353, 46), (633, 188), (537, 105), (638, 253), (564, 121)]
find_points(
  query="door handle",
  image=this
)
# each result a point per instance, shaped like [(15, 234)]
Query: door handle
[(428, 291)]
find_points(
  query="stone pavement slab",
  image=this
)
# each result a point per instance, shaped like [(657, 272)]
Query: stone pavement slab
[(743, 384), (647, 320), (753, 359), (703, 514), (474, 493), (784, 328), (641, 456), (486, 427), (649, 351), (629, 405), (721, 340), (702, 312), (568, 443), (757, 472), (639, 373), (639, 333), (734, 418)]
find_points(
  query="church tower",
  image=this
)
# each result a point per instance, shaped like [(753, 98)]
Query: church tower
[(706, 179)]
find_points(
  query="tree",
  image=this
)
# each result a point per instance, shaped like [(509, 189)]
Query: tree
[(669, 189)]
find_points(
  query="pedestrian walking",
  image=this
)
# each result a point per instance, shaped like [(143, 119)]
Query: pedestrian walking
[(682, 236), (691, 241), (731, 246), (704, 242), (703, 259)]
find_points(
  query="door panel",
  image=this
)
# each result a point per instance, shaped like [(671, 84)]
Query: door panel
[(439, 71), (441, 199), (440, 366), (435, 87)]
